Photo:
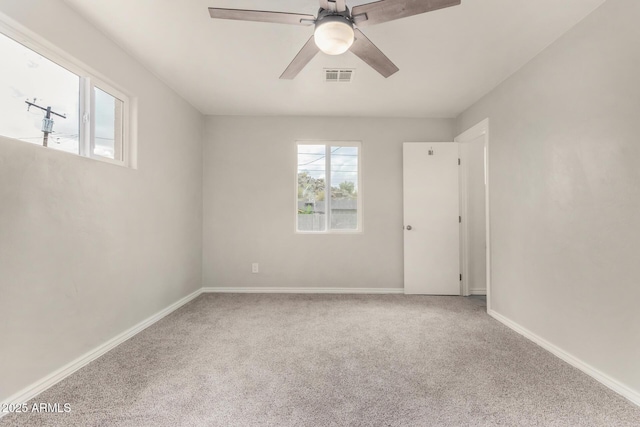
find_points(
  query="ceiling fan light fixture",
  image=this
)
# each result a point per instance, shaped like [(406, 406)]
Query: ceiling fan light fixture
[(334, 34)]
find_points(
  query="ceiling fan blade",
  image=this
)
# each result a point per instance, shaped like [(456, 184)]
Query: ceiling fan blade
[(262, 16), (303, 57), (389, 10), (369, 53)]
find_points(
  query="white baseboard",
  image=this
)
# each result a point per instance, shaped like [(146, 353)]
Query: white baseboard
[(287, 290), (41, 385), (477, 291), (599, 376)]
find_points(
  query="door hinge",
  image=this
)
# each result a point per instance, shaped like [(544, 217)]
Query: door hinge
[(461, 277), (460, 219), (458, 162)]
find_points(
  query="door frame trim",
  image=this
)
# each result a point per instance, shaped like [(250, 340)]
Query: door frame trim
[(474, 132)]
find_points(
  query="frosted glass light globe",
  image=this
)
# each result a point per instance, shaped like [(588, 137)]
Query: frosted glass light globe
[(334, 37)]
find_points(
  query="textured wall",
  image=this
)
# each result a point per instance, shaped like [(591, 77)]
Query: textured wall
[(565, 192), (89, 249), (250, 163)]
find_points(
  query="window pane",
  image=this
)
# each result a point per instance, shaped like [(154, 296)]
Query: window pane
[(26, 75), (344, 188), (311, 187), (108, 125)]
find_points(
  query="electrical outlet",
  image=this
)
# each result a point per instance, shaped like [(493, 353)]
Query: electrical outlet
[(254, 268)]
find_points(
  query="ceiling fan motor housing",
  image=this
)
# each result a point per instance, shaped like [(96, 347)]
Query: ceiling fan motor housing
[(334, 33)]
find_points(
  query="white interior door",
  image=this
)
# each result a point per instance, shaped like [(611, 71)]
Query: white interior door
[(431, 212)]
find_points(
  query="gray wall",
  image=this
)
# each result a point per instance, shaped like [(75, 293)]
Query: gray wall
[(89, 249), (565, 192), (249, 202)]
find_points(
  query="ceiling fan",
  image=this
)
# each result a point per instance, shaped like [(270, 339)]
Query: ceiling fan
[(337, 28)]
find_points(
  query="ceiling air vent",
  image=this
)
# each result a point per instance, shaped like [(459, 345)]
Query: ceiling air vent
[(338, 75)]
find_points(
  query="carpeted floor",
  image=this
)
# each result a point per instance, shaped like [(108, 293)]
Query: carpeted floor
[(330, 360)]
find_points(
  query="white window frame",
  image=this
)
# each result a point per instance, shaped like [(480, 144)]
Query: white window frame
[(87, 144), (88, 79), (328, 145)]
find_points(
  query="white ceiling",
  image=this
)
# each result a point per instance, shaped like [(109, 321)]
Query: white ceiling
[(448, 58)]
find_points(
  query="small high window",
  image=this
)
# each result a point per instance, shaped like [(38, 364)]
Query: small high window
[(60, 106), (328, 187)]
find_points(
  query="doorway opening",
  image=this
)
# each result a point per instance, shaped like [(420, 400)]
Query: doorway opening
[(475, 232)]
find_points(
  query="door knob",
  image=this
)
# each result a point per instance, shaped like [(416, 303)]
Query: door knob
[(409, 227)]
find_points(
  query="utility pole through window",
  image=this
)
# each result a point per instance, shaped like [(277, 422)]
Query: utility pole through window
[(47, 122)]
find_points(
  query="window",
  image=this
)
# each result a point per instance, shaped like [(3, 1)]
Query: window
[(60, 107), (334, 166), (107, 124)]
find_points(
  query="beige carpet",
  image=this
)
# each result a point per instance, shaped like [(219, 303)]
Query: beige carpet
[(330, 360)]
